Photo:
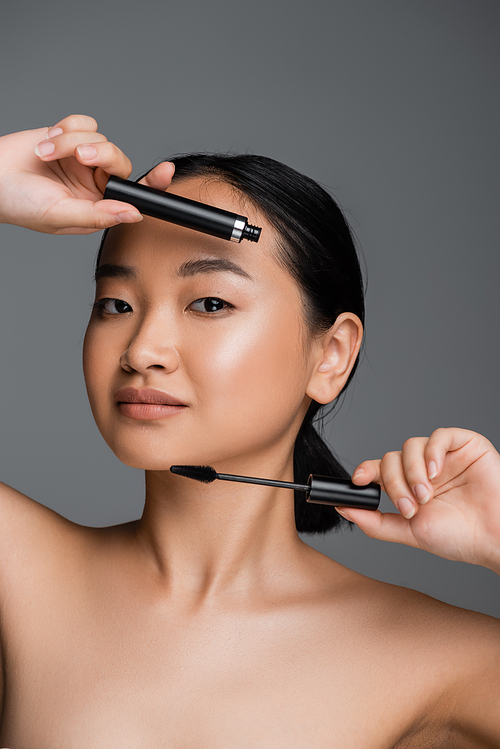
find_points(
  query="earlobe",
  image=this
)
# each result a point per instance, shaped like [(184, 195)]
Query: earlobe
[(336, 354)]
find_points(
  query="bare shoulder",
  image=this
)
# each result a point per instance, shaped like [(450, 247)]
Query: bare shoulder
[(27, 524), (449, 656), (14, 503), (31, 537), (399, 604), (419, 618), (469, 676), (403, 614), (417, 612)]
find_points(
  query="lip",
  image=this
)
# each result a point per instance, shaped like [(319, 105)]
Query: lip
[(147, 404), (147, 395)]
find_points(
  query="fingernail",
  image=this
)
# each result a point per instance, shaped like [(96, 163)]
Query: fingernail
[(44, 148), (128, 217), (432, 470), (54, 131), (358, 472), (406, 508), (344, 513), (87, 152), (422, 493)]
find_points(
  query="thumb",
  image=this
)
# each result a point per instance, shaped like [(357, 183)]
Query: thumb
[(387, 526), (84, 216), (160, 176)]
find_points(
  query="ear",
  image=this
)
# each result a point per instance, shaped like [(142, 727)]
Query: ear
[(334, 354)]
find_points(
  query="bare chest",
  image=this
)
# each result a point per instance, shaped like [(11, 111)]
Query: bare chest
[(111, 678)]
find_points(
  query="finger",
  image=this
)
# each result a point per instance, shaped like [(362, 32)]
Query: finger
[(62, 146), (389, 473), (384, 526), (395, 485), (105, 155), (85, 216), (76, 123), (446, 440), (415, 469), (367, 471), (160, 177)]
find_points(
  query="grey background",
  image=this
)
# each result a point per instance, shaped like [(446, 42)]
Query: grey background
[(391, 104)]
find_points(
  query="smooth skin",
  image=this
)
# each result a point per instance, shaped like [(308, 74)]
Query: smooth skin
[(208, 622)]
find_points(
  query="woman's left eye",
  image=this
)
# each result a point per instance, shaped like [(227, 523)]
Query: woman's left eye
[(209, 304)]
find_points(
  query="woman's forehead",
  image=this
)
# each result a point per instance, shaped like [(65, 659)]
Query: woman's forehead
[(214, 191)]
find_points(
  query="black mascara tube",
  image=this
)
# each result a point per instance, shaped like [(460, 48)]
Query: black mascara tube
[(182, 211), (342, 493)]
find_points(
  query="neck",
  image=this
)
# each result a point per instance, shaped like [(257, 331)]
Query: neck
[(208, 541)]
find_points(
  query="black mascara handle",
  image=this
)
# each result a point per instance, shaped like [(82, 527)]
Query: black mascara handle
[(181, 211), (325, 490)]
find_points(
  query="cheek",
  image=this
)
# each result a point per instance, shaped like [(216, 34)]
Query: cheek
[(97, 359), (256, 374), (90, 370)]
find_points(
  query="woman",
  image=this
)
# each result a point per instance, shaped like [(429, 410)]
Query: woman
[(208, 622)]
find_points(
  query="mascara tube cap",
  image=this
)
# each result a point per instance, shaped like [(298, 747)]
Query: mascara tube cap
[(325, 490)]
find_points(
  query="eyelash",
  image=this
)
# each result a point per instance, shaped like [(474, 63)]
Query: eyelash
[(100, 306), (211, 299)]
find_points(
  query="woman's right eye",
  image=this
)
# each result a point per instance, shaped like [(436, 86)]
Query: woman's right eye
[(112, 306)]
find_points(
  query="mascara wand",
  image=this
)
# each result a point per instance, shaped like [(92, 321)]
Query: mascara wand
[(320, 490)]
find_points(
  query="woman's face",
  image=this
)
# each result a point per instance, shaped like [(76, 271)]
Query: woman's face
[(212, 325)]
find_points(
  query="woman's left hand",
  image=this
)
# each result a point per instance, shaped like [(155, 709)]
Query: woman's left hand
[(447, 490)]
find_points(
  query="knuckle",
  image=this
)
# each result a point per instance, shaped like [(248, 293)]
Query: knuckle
[(414, 469), (89, 123), (72, 121), (75, 139), (411, 442), (439, 432), (98, 222), (94, 138), (79, 122), (391, 483), (389, 458)]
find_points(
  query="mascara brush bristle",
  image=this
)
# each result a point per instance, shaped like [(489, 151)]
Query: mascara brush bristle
[(206, 474)]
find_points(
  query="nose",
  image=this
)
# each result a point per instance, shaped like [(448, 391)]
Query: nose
[(151, 348)]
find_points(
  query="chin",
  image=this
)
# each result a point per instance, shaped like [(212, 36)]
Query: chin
[(143, 454), (156, 459), (145, 464), (150, 451), (147, 461), (149, 455)]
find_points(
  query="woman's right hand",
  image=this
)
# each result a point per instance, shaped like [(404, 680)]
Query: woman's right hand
[(61, 192)]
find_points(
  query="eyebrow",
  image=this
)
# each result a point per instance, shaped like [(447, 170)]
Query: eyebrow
[(187, 269), (107, 270), (211, 265)]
